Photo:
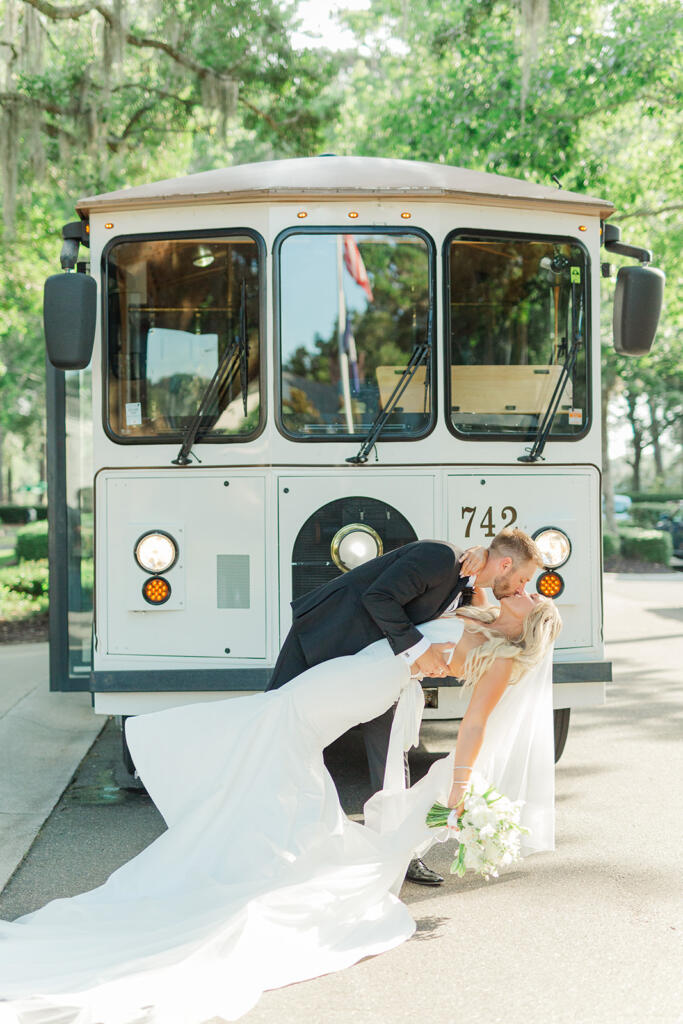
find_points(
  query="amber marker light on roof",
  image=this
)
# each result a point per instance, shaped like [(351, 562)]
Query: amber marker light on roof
[(353, 214), (406, 215), (156, 590), (109, 224), (550, 584), (302, 214)]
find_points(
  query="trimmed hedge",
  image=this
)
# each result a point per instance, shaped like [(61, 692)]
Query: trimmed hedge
[(21, 513), (646, 545), (28, 578), (31, 542), (611, 545), (638, 496), (648, 513)]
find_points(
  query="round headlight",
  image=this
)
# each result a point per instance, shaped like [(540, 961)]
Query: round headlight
[(156, 552), (554, 545), (355, 544)]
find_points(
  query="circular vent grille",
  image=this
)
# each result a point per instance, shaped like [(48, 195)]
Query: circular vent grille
[(312, 563)]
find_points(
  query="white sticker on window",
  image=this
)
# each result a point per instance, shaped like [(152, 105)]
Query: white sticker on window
[(576, 416), (133, 414)]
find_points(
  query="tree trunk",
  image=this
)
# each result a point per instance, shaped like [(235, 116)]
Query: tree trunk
[(10, 495), (655, 431), (637, 440), (607, 481)]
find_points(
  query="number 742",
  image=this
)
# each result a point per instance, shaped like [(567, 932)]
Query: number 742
[(508, 514)]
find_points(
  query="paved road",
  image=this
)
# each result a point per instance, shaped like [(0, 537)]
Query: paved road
[(590, 934)]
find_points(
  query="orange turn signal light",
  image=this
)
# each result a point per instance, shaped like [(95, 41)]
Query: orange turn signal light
[(156, 590), (550, 584)]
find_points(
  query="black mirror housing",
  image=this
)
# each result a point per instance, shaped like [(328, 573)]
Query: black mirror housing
[(637, 304), (69, 317)]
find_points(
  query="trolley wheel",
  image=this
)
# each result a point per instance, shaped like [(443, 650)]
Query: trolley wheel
[(561, 723), (128, 762)]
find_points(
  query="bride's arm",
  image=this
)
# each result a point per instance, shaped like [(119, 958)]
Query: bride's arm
[(487, 693)]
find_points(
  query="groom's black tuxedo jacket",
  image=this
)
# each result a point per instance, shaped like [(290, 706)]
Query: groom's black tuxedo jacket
[(384, 597)]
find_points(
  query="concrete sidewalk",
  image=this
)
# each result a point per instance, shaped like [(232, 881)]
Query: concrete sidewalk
[(43, 738)]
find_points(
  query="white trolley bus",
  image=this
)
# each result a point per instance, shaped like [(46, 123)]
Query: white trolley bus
[(263, 375)]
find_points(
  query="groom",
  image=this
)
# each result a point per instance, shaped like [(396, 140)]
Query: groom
[(387, 597)]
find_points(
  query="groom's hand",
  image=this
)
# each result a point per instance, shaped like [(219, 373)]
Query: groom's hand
[(431, 663)]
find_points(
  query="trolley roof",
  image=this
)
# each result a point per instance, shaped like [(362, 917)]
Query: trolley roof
[(339, 177)]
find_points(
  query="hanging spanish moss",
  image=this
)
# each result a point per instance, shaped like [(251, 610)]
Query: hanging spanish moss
[(9, 120), (32, 55), (32, 59), (114, 39), (534, 24), (10, 128), (220, 94)]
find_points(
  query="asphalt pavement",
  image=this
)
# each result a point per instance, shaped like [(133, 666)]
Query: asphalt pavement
[(589, 934)]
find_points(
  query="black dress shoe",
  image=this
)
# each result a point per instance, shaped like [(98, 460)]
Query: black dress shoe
[(420, 873)]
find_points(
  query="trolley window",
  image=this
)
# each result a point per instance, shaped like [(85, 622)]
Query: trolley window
[(517, 314), (175, 306), (354, 310)]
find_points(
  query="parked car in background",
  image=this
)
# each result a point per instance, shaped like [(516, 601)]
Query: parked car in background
[(672, 523), (622, 505)]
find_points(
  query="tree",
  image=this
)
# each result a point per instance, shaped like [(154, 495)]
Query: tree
[(98, 95)]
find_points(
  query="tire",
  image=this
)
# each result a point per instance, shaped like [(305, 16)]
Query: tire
[(561, 723), (125, 752)]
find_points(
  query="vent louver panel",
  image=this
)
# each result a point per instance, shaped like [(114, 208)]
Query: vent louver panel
[(232, 578)]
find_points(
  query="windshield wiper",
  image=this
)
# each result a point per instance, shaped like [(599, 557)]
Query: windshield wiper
[(421, 355), (535, 452), (238, 346)]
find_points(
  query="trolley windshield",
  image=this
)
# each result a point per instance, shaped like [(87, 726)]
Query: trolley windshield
[(174, 306), (517, 312), (353, 309)]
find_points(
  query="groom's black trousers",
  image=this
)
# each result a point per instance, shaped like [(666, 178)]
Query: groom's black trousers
[(291, 662)]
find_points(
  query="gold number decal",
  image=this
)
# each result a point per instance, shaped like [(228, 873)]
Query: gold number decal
[(463, 512), (513, 515), (487, 523), (508, 515)]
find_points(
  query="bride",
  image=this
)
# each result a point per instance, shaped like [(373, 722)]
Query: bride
[(260, 879)]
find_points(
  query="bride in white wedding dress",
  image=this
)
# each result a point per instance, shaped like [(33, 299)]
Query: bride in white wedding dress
[(260, 879)]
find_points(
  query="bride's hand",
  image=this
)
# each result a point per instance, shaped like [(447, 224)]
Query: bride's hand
[(446, 650), (456, 797), (473, 560)]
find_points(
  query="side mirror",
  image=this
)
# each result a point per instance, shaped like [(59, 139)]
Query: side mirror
[(637, 304), (69, 316)]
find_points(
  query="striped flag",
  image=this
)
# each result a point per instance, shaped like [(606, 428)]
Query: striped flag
[(349, 346), (353, 261)]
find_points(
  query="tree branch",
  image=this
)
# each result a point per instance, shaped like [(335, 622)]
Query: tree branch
[(645, 211), (76, 11), (33, 101)]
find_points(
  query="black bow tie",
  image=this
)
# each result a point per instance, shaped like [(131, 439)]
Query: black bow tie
[(467, 595)]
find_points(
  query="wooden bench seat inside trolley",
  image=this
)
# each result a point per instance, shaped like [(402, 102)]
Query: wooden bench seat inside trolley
[(518, 390)]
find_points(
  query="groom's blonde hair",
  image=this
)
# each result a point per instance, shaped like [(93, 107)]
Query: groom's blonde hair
[(541, 628), (517, 545)]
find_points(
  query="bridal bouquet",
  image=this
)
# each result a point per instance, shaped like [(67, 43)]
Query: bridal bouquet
[(488, 830)]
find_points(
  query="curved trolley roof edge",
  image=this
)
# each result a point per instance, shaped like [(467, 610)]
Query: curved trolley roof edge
[(338, 177)]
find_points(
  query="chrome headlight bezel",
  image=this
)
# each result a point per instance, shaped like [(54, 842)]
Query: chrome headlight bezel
[(554, 562), (348, 531), (163, 566)]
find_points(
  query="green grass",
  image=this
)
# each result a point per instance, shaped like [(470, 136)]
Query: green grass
[(6, 557)]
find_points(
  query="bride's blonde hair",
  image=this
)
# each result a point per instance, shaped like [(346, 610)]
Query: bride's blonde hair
[(541, 627)]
